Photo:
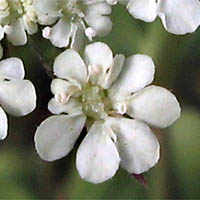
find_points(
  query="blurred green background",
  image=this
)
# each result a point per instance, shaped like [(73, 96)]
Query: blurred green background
[(24, 175)]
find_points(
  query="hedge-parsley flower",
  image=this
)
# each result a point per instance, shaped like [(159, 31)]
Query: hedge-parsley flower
[(75, 18), (112, 98), (17, 96), (178, 16), (16, 18)]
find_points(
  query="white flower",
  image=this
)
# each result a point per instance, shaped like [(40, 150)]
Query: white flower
[(75, 18), (17, 96), (97, 92), (178, 16), (17, 17)]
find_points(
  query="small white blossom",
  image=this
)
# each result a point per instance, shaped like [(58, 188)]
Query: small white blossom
[(178, 16), (17, 17), (97, 92), (75, 18), (17, 96)]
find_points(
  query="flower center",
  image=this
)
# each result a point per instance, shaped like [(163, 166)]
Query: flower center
[(95, 104), (72, 9), (13, 9)]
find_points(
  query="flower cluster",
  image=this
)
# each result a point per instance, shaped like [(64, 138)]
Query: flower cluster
[(75, 18), (70, 20), (112, 97), (178, 16), (17, 96), (17, 17)]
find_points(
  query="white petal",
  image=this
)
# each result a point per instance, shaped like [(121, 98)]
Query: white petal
[(179, 16), (59, 86), (56, 136), (137, 145), (47, 11), (88, 2), (112, 2), (46, 19), (97, 19), (69, 65), (154, 105), (98, 54), (97, 158), (60, 34), (17, 34), (12, 68), (137, 72), (143, 9), (29, 26), (46, 6), (3, 124), (114, 71), (71, 107), (17, 97), (101, 24), (101, 8), (1, 32)]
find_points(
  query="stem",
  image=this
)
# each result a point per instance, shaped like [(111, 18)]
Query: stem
[(41, 58)]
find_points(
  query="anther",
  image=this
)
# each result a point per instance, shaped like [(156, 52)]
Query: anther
[(90, 33)]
